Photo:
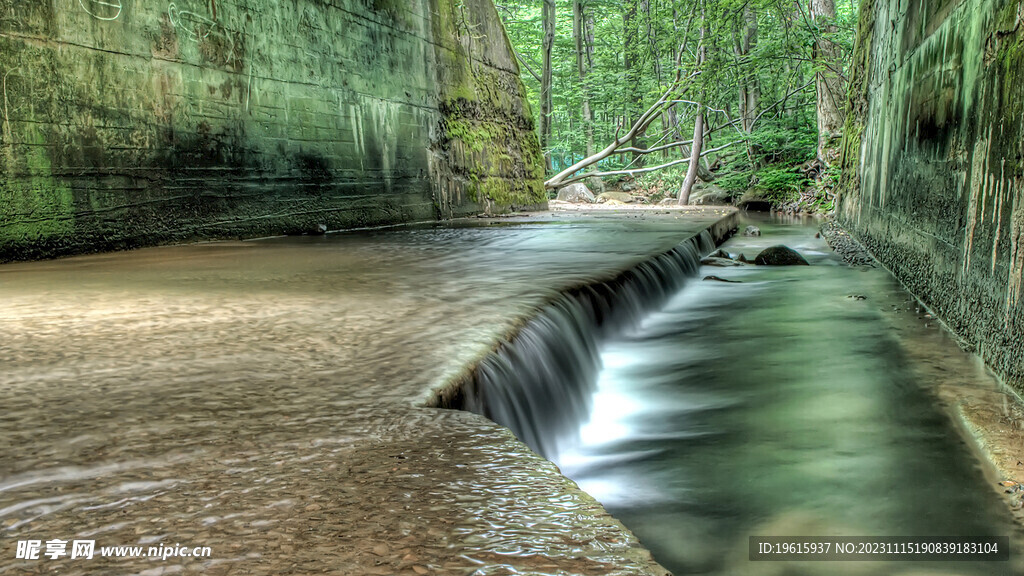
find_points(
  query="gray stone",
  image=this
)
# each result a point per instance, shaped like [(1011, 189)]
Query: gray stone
[(752, 231), (721, 262), (710, 195), (618, 196), (578, 193), (780, 256)]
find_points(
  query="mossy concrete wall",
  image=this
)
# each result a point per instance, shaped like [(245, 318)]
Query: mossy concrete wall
[(126, 123), (934, 161)]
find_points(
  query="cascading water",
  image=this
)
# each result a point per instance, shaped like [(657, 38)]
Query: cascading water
[(781, 403), (539, 383)]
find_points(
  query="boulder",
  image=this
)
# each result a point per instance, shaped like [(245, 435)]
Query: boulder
[(780, 256), (752, 231), (578, 193), (596, 184), (619, 196), (756, 200), (710, 195), (720, 254)]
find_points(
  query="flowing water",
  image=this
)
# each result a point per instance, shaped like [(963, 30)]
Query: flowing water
[(266, 399), (784, 404)]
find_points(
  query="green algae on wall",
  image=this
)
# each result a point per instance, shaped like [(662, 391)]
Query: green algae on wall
[(134, 123), (32, 190), (934, 161), (487, 137)]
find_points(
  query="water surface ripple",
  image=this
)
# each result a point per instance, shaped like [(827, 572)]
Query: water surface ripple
[(265, 399)]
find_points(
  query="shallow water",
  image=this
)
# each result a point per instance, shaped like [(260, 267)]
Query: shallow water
[(266, 399), (782, 405)]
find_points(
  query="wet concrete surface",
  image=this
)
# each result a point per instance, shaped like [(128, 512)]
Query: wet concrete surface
[(265, 399)]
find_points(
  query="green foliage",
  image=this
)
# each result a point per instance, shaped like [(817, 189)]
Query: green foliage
[(736, 182), (784, 145), (782, 182), (779, 65)]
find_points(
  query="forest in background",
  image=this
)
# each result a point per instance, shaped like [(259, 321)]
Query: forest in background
[(708, 101)]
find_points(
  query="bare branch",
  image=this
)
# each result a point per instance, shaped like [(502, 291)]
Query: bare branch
[(645, 120), (635, 171), (653, 150)]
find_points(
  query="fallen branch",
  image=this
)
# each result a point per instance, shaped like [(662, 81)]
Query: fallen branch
[(646, 119), (634, 171), (653, 150)]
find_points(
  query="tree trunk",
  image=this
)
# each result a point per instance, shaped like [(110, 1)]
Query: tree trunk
[(698, 145), (631, 68), (831, 87), (745, 41), (548, 17), (750, 89), (582, 27), (698, 123)]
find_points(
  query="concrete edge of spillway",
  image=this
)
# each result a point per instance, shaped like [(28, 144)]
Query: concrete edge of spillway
[(606, 302)]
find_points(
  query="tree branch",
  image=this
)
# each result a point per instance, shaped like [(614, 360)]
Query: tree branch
[(635, 171)]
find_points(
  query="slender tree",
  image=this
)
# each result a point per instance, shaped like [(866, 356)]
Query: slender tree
[(546, 101), (631, 65), (750, 87), (582, 32), (831, 86), (698, 123)]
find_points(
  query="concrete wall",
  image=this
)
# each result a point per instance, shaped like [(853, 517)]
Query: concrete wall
[(933, 169), (126, 123)]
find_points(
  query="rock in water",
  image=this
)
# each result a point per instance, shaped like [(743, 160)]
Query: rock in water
[(780, 256), (620, 196), (578, 193), (721, 262), (720, 254), (752, 231)]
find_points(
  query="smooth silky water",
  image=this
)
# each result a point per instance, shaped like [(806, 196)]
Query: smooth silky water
[(781, 405)]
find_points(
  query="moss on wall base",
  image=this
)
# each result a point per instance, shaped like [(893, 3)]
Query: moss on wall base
[(487, 140)]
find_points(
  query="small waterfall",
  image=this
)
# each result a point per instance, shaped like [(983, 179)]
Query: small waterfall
[(539, 383)]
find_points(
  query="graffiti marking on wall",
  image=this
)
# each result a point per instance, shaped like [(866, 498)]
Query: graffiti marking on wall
[(102, 9), (194, 26)]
